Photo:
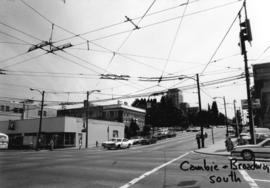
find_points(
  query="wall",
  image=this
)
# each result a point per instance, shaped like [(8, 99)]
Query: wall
[(97, 131)]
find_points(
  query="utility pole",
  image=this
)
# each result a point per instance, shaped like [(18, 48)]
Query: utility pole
[(245, 35), (200, 107), (226, 121), (236, 119), (40, 118), (86, 117)]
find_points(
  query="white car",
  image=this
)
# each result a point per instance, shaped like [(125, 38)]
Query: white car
[(250, 152), (117, 143)]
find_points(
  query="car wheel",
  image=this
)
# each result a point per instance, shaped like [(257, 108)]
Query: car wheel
[(118, 147), (247, 155), (128, 146)]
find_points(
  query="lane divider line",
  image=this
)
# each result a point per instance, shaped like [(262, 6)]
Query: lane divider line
[(248, 179), (132, 182), (262, 180)]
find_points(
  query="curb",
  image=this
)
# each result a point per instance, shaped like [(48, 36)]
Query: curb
[(207, 153)]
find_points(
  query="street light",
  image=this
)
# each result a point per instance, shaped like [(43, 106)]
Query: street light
[(224, 100), (199, 99), (86, 115), (40, 117)]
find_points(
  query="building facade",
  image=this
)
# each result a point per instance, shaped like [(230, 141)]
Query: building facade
[(15, 111), (176, 96), (116, 112), (261, 74), (65, 131)]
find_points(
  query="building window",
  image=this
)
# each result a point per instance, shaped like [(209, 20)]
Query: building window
[(115, 134), (69, 139), (111, 114)]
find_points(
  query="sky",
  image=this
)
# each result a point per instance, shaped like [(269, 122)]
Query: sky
[(173, 39)]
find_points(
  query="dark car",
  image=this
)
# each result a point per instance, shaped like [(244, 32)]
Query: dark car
[(171, 134), (147, 141)]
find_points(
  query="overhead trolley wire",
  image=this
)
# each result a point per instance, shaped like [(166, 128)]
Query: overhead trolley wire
[(173, 43), (221, 42)]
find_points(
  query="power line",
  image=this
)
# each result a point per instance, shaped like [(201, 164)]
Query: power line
[(14, 37), (23, 61), (119, 23), (174, 40), (20, 31), (227, 32), (14, 43)]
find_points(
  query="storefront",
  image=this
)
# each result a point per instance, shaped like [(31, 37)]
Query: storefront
[(64, 131)]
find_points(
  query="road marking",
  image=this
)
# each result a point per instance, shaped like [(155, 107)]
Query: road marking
[(248, 179), (262, 180), (132, 182)]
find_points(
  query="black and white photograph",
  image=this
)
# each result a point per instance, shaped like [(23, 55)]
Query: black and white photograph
[(134, 94)]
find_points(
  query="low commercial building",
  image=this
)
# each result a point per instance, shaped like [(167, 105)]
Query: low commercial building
[(115, 112), (65, 131)]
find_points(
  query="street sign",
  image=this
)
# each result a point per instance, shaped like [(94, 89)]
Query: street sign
[(255, 104)]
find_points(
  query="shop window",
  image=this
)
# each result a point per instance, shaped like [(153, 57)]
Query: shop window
[(111, 113), (69, 139)]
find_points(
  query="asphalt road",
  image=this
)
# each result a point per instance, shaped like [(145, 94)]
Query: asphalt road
[(169, 163)]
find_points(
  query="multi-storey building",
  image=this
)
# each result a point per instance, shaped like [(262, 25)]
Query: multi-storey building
[(15, 111), (176, 96), (262, 91), (116, 112)]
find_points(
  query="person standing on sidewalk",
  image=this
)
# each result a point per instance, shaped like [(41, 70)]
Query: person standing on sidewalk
[(51, 144), (228, 143), (80, 143), (198, 137)]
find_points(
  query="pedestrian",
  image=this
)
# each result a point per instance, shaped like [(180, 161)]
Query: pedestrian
[(80, 143), (96, 144), (198, 140), (51, 144), (229, 143)]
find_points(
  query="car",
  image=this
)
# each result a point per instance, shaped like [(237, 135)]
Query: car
[(149, 140), (117, 143), (171, 134), (250, 152), (136, 140)]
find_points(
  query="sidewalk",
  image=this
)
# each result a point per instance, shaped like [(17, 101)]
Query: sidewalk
[(218, 148)]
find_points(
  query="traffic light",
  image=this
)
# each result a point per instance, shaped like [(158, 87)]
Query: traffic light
[(245, 32)]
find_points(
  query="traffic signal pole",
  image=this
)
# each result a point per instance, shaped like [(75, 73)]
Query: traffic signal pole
[(245, 35)]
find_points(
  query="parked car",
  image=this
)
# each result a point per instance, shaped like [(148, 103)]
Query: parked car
[(250, 152), (171, 134), (117, 143), (136, 140), (157, 136), (150, 140)]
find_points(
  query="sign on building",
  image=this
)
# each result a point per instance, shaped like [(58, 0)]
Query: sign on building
[(255, 104)]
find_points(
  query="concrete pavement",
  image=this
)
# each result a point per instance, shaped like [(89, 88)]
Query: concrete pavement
[(218, 148)]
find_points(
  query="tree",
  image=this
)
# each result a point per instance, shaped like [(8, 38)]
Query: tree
[(146, 130), (214, 114), (133, 128)]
